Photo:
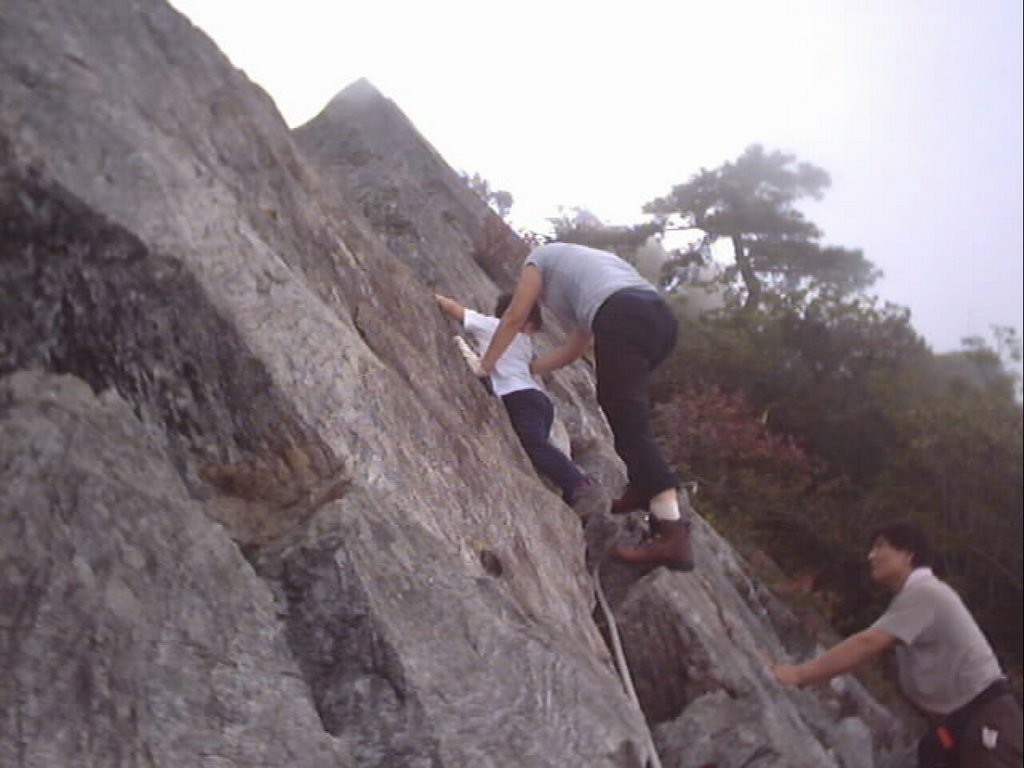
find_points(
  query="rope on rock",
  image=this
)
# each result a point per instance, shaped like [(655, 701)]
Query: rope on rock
[(472, 358), (620, 659)]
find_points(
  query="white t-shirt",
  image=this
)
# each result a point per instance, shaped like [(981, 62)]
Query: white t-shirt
[(944, 659), (512, 371)]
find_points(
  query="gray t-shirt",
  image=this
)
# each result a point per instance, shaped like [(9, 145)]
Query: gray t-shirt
[(944, 659), (577, 279)]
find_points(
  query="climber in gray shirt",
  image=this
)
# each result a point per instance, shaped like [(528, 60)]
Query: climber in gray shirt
[(605, 300), (946, 667)]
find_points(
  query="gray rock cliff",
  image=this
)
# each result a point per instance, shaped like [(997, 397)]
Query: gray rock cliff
[(253, 509)]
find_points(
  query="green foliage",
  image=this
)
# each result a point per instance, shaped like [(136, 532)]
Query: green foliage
[(997, 366), (764, 488), (811, 365), (810, 412), (717, 438), (957, 464), (751, 204), (814, 418)]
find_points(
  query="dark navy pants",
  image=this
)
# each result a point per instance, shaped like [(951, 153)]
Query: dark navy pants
[(532, 414), (634, 331)]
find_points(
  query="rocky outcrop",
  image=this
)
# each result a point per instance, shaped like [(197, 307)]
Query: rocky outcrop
[(119, 651), (254, 510), (368, 153)]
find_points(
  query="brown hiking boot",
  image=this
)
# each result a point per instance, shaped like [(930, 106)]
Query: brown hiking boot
[(668, 544), (631, 499)]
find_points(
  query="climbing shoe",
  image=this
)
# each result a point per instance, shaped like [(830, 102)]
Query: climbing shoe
[(582, 490), (668, 543)]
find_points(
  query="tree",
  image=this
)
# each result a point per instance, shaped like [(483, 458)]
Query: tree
[(886, 429), (499, 200), (817, 369), (991, 366), (750, 203), (581, 226)]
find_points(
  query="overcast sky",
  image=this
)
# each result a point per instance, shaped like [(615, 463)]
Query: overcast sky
[(914, 107)]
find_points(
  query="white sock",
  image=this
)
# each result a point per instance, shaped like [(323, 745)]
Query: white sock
[(665, 507)]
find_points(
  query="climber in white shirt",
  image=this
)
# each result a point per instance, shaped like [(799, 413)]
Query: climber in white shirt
[(529, 408)]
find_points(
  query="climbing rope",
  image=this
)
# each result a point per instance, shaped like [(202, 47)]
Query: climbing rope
[(472, 358), (620, 659)]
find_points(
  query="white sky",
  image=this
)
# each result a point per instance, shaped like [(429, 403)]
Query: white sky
[(913, 106)]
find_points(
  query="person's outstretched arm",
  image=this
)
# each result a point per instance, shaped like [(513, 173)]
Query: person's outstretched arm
[(527, 293), (451, 307), (560, 357), (851, 653)]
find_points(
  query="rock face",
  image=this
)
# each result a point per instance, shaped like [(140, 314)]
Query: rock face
[(118, 650), (254, 510)]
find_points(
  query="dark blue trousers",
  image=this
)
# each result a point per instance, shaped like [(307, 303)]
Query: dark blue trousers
[(634, 331), (532, 414)]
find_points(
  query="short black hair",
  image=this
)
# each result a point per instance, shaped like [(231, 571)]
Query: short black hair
[(535, 316), (906, 536)]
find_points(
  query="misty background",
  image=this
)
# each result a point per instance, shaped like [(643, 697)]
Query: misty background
[(913, 108)]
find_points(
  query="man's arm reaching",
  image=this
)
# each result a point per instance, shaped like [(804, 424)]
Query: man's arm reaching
[(527, 293), (560, 357), (851, 653)]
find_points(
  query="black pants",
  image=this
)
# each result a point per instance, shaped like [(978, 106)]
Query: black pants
[(986, 733), (532, 414), (634, 331)]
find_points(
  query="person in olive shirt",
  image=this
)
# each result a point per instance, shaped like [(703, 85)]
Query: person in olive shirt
[(605, 300), (946, 666)]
